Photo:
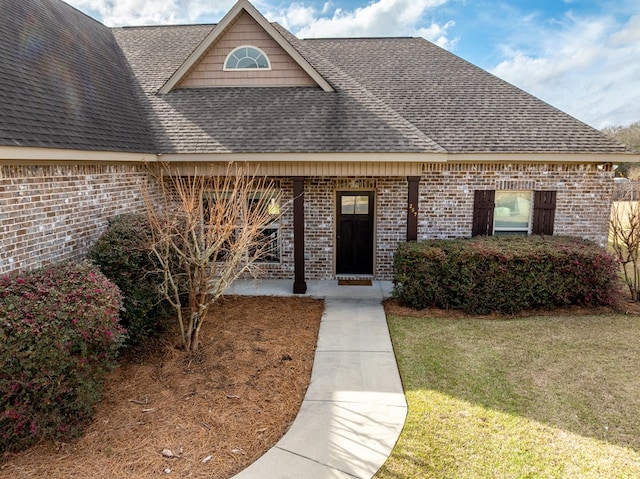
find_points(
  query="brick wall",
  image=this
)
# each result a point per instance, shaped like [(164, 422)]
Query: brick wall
[(445, 207), (319, 212), (320, 209), (391, 223), (583, 198), (50, 213)]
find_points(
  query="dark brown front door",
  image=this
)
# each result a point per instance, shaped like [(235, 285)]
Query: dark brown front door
[(355, 232)]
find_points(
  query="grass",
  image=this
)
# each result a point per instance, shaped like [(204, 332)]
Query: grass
[(544, 397)]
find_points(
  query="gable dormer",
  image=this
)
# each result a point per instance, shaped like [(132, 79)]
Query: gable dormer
[(245, 50), (231, 60)]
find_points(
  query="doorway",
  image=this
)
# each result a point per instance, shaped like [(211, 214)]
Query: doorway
[(354, 232)]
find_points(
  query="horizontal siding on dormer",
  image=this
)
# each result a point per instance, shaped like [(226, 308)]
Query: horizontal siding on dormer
[(208, 72)]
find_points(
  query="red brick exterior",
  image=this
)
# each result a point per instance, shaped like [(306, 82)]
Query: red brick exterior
[(583, 207), (446, 207), (49, 213)]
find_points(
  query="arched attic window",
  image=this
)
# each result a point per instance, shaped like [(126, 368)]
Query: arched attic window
[(247, 58)]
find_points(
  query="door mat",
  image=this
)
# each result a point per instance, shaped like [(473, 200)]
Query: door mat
[(354, 282)]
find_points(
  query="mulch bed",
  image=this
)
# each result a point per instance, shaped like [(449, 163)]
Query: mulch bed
[(207, 415), (214, 412)]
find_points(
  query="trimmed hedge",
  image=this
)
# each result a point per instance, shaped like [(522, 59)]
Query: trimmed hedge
[(504, 274), (59, 335), (123, 256)]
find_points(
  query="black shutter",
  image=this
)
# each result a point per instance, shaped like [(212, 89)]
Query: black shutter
[(544, 212), (484, 202)]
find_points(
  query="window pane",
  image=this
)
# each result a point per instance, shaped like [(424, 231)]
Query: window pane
[(269, 245), (354, 205), (269, 204), (247, 63), (513, 210), (262, 61), (348, 205), (362, 205), (273, 208)]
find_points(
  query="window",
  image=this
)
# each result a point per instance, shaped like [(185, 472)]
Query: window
[(247, 58), (354, 205), (269, 239), (513, 212)]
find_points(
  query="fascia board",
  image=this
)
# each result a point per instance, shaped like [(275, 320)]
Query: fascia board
[(30, 153)]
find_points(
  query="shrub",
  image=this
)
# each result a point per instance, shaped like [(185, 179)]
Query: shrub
[(504, 274), (59, 334), (123, 256)]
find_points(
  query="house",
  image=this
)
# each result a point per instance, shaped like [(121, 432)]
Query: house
[(375, 140)]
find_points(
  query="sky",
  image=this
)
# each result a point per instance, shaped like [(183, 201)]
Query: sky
[(581, 56)]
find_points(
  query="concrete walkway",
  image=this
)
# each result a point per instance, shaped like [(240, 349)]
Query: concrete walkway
[(355, 407)]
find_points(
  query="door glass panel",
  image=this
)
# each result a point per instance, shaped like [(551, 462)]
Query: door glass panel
[(354, 205), (362, 205), (348, 205)]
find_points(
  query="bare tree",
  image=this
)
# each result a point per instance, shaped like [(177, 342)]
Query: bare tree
[(625, 240), (630, 136), (207, 231)]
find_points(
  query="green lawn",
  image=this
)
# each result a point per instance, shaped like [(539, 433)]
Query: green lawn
[(546, 397)]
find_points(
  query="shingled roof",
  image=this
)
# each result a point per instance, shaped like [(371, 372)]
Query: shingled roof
[(64, 82), (462, 107), (392, 95), (69, 82), (293, 119)]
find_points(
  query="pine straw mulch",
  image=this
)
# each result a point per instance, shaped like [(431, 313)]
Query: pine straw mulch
[(216, 411)]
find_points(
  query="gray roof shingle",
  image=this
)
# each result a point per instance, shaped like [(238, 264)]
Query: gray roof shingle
[(67, 81), (462, 107), (294, 119), (435, 102), (64, 82)]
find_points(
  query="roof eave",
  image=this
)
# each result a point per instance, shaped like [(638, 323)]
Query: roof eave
[(547, 157), (34, 153), (422, 157)]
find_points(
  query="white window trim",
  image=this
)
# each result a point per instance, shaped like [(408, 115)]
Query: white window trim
[(224, 65)]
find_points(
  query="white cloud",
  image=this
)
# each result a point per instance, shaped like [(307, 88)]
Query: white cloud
[(378, 18), (628, 35), (151, 12), (590, 68), (438, 34), (326, 8), (295, 16)]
